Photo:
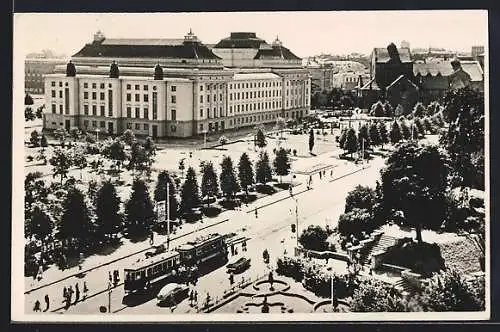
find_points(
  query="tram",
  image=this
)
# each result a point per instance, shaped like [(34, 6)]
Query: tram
[(194, 254)]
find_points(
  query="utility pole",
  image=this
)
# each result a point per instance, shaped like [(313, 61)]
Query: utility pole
[(109, 297), (363, 152), (168, 214)]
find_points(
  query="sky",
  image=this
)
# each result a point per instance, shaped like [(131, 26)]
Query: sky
[(304, 33)]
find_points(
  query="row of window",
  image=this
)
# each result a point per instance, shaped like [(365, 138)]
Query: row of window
[(102, 124), (254, 85), (102, 110), (145, 87), (255, 94), (94, 85), (145, 98), (255, 106), (137, 126), (214, 98), (53, 83), (61, 109)]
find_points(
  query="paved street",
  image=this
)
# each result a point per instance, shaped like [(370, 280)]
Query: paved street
[(266, 231)]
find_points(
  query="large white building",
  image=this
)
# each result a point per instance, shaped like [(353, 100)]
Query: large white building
[(176, 87)]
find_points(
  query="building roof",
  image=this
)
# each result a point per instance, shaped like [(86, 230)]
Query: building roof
[(255, 76), (382, 54), (276, 52), (143, 263), (473, 68), (146, 48), (240, 40)]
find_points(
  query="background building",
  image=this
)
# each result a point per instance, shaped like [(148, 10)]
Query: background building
[(34, 71), (175, 87)]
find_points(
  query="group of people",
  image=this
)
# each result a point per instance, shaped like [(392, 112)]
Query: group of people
[(37, 307), (68, 294)]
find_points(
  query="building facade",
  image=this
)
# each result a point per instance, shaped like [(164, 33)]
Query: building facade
[(173, 88), (34, 71)]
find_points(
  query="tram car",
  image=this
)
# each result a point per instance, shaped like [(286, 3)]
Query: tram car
[(143, 273), (203, 249)]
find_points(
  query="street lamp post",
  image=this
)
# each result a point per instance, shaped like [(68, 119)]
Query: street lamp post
[(168, 214), (97, 134), (363, 153), (109, 297)]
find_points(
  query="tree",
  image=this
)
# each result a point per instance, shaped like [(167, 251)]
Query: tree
[(79, 160), (405, 130), (374, 134), (182, 167), (43, 141), (75, 220), (429, 127), (222, 141), (40, 223), (209, 183), (399, 111), (228, 183), (351, 141), (149, 146), (74, 133), (375, 296), (61, 135), (190, 197), (419, 126), (28, 100), (160, 193), (409, 186), (383, 134), (314, 238), (263, 169), (107, 210), (361, 197), (261, 139), (419, 110), (281, 163), (395, 134), (61, 161), (28, 114), (389, 112), (342, 138), (34, 140), (311, 140), (377, 109), (449, 291), (355, 222), (128, 137), (115, 150), (280, 125), (139, 209), (139, 158), (464, 138), (364, 137), (245, 172), (39, 111)]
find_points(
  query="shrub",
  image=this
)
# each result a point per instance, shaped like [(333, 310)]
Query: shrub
[(356, 222), (314, 238), (290, 267)]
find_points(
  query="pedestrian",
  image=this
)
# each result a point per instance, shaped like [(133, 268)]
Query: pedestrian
[(40, 272), (47, 302), (36, 308), (151, 238), (256, 213), (196, 297), (109, 276), (65, 293), (85, 290), (77, 293), (331, 173), (320, 175), (70, 293)]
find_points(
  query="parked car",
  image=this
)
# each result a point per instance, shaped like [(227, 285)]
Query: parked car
[(238, 266), (172, 294), (159, 249)]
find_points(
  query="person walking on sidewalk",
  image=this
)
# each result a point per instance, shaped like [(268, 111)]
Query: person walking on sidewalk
[(47, 302), (85, 290), (36, 308), (151, 238), (256, 213), (65, 294), (77, 293)]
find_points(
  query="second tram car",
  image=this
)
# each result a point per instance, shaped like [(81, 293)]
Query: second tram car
[(146, 272)]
